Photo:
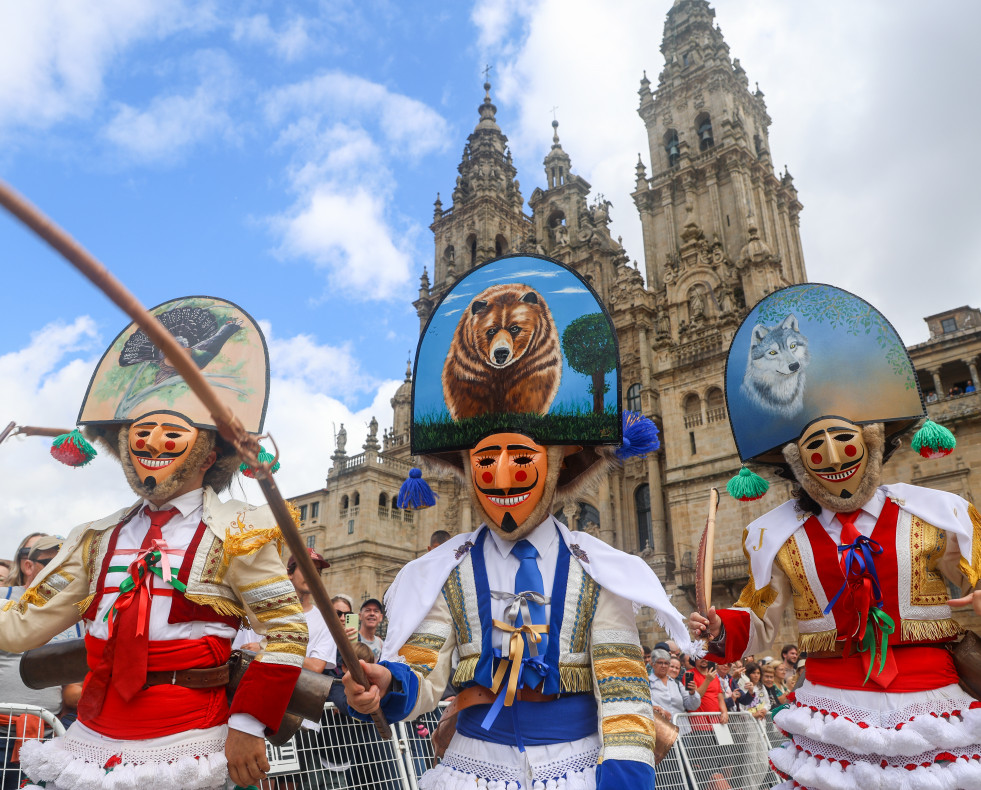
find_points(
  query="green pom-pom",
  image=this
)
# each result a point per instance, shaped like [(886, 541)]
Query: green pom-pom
[(747, 486), (933, 441), (263, 458), (72, 449)]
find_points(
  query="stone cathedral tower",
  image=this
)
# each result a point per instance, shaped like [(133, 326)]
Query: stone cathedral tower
[(720, 230)]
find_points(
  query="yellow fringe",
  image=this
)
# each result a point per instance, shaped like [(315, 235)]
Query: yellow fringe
[(756, 600), (85, 603), (575, 680), (32, 595), (249, 541), (972, 572), (822, 640), (929, 630), (221, 605), (465, 671)]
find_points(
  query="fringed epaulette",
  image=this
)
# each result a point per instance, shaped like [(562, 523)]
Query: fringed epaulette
[(221, 605), (248, 540), (750, 597), (575, 680), (465, 670), (84, 604)]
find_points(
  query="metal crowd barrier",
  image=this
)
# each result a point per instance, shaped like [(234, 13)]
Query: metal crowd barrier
[(348, 754), (731, 756), (10, 775)]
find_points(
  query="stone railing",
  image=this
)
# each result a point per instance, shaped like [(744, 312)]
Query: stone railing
[(955, 407), (699, 349)]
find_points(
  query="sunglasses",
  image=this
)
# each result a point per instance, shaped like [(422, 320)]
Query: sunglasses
[(43, 562), (339, 613)]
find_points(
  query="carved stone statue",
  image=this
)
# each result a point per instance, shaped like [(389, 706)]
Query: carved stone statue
[(696, 305), (341, 440)]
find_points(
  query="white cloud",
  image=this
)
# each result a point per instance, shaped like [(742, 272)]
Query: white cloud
[(290, 42), (409, 125), (55, 54), (344, 131), (44, 384), (174, 122), (345, 232)]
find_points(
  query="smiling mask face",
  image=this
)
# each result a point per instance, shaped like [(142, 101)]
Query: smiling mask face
[(509, 473), (834, 453), (159, 446)]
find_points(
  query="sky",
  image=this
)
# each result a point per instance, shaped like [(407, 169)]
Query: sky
[(285, 156)]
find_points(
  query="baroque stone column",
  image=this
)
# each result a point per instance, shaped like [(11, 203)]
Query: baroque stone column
[(973, 367)]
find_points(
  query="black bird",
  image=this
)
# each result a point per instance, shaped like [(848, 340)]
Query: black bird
[(195, 328)]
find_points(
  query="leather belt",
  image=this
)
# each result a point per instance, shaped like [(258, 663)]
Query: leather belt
[(212, 677), (481, 695)]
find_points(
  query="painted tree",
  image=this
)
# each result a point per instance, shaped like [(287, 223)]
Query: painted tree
[(591, 349)]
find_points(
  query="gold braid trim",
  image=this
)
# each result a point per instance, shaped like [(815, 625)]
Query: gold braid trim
[(221, 605), (277, 646), (250, 542), (818, 641), (972, 572), (929, 630), (465, 670), (628, 723), (32, 595), (575, 679), (85, 603)]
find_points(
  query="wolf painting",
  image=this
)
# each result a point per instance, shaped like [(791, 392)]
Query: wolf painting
[(778, 358)]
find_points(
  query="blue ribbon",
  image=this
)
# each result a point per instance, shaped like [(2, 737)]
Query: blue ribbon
[(859, 561), (536, 664)]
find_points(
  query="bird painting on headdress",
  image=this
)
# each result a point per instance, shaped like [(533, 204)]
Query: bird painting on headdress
[(195, 328)]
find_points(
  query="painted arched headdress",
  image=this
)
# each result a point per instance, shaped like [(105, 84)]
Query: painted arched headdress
[(811, 351), (134, 379), (522, 344)]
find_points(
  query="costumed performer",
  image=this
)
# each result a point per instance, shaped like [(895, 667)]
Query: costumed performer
[(819, 384), (165, 583), (516, 391)]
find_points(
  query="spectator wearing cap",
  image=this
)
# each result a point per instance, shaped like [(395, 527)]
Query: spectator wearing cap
[(33, 554), (372, 613)]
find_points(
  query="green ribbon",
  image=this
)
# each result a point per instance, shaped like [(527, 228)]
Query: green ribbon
[(128, 584), (885, 625)]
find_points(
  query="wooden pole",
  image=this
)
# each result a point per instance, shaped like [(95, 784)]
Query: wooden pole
[(229, 426)]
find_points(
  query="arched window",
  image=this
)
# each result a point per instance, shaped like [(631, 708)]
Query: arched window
[(356, 500), (556, 218), (588, 516), (693, 410), (344, 504), (383, 499), (703, 125), (642, 505), (449, 256), (500, 245), (561, 516), (472, 247), (633, 397), (715, 405), (671, 147)]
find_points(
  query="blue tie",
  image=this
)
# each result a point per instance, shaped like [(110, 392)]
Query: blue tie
[(529, 579)]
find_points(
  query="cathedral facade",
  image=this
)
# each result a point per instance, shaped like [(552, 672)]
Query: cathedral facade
[(720, 231)]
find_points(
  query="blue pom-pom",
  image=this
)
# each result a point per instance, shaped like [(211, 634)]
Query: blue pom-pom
[(415, 492), (640, 436)]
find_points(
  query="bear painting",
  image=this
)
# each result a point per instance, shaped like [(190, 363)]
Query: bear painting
[(505, 355)]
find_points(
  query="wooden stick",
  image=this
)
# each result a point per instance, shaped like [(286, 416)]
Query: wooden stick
[(228, 424), (706, 559)]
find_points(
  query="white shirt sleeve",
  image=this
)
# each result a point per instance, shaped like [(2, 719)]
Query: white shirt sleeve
[(321, 644)]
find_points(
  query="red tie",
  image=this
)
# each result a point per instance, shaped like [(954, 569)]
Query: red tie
[(125, 655), (849, 533)]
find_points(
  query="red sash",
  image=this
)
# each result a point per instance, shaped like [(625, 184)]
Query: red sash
[(921, 668), (164, 710)]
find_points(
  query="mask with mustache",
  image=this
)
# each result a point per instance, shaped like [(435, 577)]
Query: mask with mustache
[(513, 482), (160, 452)]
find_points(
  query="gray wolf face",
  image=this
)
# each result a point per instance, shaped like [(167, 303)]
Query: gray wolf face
[(778, 357)]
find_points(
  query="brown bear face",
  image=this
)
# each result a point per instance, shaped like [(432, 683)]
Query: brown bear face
[(504, 324)]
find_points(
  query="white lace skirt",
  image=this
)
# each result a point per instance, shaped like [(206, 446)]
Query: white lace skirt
[(469, 763), (875, 740), (194, 760)]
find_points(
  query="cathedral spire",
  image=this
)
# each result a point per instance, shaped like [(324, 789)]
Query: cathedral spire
[(558, 165)]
